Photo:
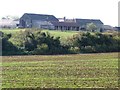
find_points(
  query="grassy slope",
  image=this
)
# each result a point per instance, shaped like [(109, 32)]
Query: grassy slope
[(65, 71), (56, 33), (62, 34), (12, 31)]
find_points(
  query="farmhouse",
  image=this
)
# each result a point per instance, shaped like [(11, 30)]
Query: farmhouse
[(66, 26), (43, 21)]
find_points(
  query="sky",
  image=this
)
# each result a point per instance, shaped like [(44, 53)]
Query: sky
[(105, 10)]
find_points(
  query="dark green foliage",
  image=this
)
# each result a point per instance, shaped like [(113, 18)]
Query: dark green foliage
[(97, 42), (7, 47), (35, 42)]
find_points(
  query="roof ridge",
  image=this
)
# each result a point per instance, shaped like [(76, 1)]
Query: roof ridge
[(38, 14), (86, 19)]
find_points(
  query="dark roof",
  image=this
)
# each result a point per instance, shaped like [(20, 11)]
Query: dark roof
[(118, 28), (72, 24), (108, 27), (42, 17), (85, 21)]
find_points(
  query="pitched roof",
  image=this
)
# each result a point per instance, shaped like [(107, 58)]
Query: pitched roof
[(42, 17), (108, 27), (85, 21), (118, 28), (73, 24)]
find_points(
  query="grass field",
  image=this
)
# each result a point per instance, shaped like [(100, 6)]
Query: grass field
[(61, 71), (12, 31), (56, 33)]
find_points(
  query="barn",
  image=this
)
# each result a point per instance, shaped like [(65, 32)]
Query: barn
[(43, 21), (83, 22), (29, 20)]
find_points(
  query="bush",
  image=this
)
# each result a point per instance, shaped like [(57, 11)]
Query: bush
[(7, 47), (41, 49), (74, 50), (97, 42), (35, 42)]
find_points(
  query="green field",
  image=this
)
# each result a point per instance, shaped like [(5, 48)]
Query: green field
[(56, 33), (61, 71), (12, 31)]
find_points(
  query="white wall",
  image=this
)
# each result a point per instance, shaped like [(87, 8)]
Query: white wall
[(8, 23)]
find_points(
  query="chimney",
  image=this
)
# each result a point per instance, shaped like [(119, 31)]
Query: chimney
[(64, 18)]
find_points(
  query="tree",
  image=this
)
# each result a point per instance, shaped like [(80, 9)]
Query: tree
[(37, 42), (11, 17), (91, 27), (7, 47)]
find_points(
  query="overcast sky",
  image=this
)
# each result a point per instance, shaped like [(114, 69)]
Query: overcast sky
[(106, 10)]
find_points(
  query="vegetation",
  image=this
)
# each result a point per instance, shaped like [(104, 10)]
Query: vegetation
[(42, 70), (7, 47), (97, 42), (56, 33), (61, 71), (91, 27), (11, 31), (36, 42)]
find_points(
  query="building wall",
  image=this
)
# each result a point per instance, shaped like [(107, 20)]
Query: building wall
[(42, 24), (75, 28), (25, 21), (8, 23)]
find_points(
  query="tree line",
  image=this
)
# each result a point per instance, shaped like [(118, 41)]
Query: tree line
[(35, 42)]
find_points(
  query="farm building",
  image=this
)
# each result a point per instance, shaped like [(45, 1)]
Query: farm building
[(84, 22), (66, 26), (117, 28), (43, 21), (37, 21), (8, 23)]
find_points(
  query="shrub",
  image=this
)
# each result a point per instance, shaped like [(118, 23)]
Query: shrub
[(41, 49), (36, 42), (74, 50), (97, 42), (7, 47)]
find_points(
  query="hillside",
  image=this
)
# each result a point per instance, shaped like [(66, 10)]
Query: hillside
[(56, 33)]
